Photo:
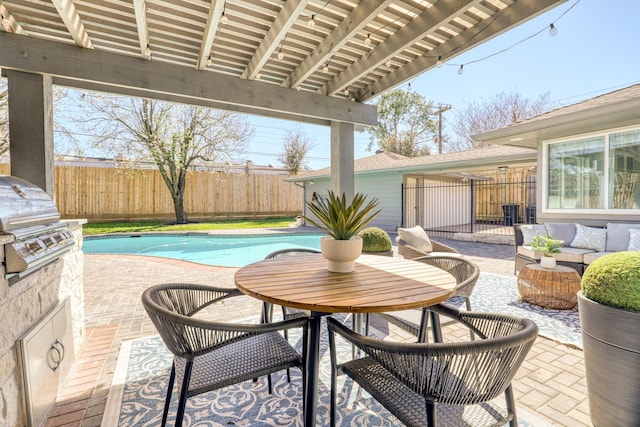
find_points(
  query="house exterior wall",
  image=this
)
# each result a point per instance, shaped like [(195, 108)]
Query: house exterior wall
[(386, 187)]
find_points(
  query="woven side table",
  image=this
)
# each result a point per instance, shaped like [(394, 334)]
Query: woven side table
[(550, 288)]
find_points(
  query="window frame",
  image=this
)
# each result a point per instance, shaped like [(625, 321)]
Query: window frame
[(544, 178)]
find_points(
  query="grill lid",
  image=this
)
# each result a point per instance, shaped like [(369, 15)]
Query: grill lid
[(23, 204)]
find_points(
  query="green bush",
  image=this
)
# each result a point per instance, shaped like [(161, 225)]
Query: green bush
[(614, 280), (375, 239)]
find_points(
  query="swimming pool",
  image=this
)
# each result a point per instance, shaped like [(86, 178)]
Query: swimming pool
[(226, 251)]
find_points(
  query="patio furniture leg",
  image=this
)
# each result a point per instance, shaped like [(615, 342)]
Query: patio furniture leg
[(313, 368), (511, 406), (167, 400), (182, 405), (435, 326)]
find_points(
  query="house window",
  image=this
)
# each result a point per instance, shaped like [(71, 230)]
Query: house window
[(624, 152), (578, 179)]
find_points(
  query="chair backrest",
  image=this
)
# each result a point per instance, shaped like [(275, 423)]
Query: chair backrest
[(461, 373), (466, 272), (291, 252), (171, 306)]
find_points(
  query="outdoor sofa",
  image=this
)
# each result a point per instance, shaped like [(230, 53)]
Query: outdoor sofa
[(581, 245)]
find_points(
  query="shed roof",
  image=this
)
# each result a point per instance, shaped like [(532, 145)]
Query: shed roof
[(472, 160)]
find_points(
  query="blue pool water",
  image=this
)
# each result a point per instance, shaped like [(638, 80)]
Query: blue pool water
[(227, 251)]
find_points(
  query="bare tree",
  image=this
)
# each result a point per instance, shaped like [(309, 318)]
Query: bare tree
[(173, 136), (296, 146), (501, 110), (405, 124), (4, 117)]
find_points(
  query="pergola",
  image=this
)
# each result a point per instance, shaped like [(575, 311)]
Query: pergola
[(312, 61)]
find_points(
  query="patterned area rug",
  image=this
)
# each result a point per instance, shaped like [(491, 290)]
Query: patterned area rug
[(137, 394)]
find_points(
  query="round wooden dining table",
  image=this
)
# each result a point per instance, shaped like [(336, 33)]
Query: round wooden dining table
[(378, 284)]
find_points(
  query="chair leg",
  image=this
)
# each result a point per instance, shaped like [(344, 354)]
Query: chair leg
[(432, 413), (511, 406), (167, 400), (435, 326), (424, 323), (182, 405), (468, 303)]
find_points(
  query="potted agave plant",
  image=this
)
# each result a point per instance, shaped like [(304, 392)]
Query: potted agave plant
[(548, 247), (341, 221)]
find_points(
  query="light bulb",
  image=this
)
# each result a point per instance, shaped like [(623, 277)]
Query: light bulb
[(461, 69), (325, 69), (346, 91), (553, 30), (367, 41), (147, 50), (258, 76), (439, 63), (298, 88), (312, 21), (224, 19), (209, 61), (6, 24), (280, 54), (388, 63)]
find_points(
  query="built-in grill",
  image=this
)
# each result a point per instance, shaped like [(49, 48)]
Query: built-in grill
[(29, 215)]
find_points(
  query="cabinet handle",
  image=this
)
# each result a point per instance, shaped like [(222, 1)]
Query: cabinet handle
[(57, 354)]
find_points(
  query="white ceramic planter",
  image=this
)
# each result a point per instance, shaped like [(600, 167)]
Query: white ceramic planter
[(548, 262), (341, 254)]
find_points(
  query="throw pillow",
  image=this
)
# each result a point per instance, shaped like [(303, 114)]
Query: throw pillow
[(564, 231), (590, 238), (634, 239), (529, 232), (416, 237)]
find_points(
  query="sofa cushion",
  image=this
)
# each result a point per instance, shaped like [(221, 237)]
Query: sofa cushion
[(618, 236), (589, 238), (567, 254), (590, 257), (416, 237), (530, 231), (634, 239), (564, 231)]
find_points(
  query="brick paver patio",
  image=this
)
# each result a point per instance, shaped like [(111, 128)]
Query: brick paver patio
[(550, 385)]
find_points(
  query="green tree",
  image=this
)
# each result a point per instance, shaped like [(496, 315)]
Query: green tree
[(296, 146), (501, 110), (174, 136), (405, 124)]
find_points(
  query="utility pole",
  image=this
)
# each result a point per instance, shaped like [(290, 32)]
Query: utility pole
[(441, 109)]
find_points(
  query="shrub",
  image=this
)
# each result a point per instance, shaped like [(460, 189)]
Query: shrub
[(614, 280), (375, 239)]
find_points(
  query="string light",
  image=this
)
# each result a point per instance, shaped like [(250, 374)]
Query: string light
[(439, 63), (6, 24), (388, 63), (147, 50), (461, 69), (209, 61), (367, 41), (552, 30), (346, 91), (298, 88), (258, 76), (312, 21), (224, 18), (280, 54), (325, 69)]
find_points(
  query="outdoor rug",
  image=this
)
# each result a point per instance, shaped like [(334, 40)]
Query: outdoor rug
[(136, 397)]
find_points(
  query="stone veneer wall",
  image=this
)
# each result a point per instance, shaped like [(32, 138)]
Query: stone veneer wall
[(23, 304)]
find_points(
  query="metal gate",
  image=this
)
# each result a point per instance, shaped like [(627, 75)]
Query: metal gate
[(446, 208)]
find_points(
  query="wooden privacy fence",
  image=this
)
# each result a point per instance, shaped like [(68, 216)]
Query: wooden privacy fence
[(98, 193)]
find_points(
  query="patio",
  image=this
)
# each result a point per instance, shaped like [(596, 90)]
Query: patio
[(549, 388)]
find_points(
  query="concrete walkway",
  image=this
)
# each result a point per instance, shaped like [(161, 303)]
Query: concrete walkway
[(550, 386)]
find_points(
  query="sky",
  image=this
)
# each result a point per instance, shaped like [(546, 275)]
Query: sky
[(596, 50)]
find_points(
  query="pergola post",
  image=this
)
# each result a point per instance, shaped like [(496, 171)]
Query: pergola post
[(31, 128), (342, 180)]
